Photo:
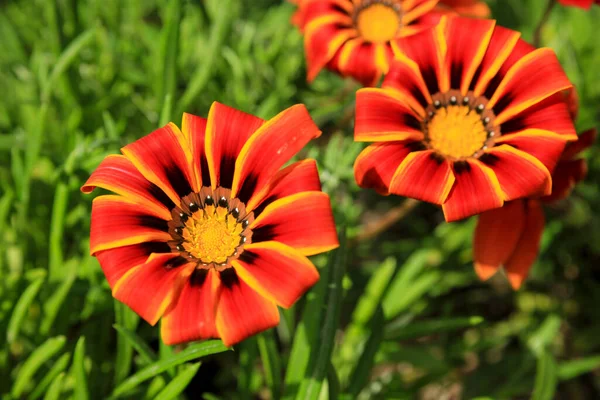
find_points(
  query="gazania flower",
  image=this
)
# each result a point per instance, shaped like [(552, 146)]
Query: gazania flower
[(510, 236), (467, 8), (585, 4), (465, 119), (352, 37), (205, 229)]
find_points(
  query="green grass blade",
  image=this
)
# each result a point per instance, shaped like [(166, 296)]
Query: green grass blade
[(59, 366), (545, 378), (194, 351), (542, 338), (57, 224), (574, 368), (127, 318), (55, 388), (310, 388), (168, 55), (53, 304), (78, 370), (37, 358), (424, 328), (20, 310), (178, 384), (146, 353), (333, 383), (271, 362)]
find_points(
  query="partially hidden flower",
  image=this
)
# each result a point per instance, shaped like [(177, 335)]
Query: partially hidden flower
[(585, 4), (205, 227), (467, 8), (353, 38), (465, 118), (510, 236)]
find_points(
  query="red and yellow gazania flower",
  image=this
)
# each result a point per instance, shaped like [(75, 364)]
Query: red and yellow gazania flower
[(205, 229), (352, 37), (585, 4), (466, 118), (510, 236)]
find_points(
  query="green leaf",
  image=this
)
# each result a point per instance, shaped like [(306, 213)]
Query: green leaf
[(168, 55), (545, 378), (404, 331), (20, 310), (146, 353), (37, 358), (194, 351), (573, 368), (271, 362), (55, 388), (541, 339), (78, 371), (53, 304), (310, 388), (178, 384), (129, 319), (59, 366), (333, 383)]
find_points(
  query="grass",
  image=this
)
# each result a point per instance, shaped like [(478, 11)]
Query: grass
[(399, 314)]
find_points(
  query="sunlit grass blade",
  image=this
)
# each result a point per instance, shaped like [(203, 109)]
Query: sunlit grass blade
[(55, 388), (80, 389), (30, 366), (176, 386), (18, 314), (59, 366), (169, 48), (573, 368), (545, 377), (146, 353), (544, 335), (404, 331), (194, 351), (271, 362), (57, 224), (322, 348)]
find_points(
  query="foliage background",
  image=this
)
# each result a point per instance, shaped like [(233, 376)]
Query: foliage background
[(400, 314)]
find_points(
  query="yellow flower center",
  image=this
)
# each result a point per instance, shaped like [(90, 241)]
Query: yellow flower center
[(210, 228), (459, 127), (378, 22)]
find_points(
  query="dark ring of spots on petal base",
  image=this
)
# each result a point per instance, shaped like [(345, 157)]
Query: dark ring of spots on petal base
[(210, 228), (178, 180), (229, 278)]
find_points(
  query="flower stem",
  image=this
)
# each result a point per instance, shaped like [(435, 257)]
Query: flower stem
[(390, 218), (537, 34)]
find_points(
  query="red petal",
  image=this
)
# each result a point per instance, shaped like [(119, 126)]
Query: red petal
[(551, 114), (476, 190), (118, 222), (276, 271), (546, 146), (192, 317), (584, 141), (301, 176), (376, 165), (241, 311), (194, 128), (364, 61), (117, 174), (278, 140), (116, 262), (381, 116), (165, 159), (533, 78), (151, 287), (585, 4), (496, 236), (427, 49), (303, 221), (518, 265), (567, 174), (227, 131), (323, 37), (468, 41), (405, 77), (520, 174), (424, 176)]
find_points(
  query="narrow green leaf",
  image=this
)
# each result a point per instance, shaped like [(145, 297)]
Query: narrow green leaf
[(179, 383), (310, 388), (545, 378), (59, 366), (57, 224), (55, 388), (146, 353), (168, 55), (361, 373), (333, 383), (127, 318), (541, 338), (271, 362), (573, 368), (20, 310), (194, 351), (53, 304), (78, 370), (424, 328), (37, 358)]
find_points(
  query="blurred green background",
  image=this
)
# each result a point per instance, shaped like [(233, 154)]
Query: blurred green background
[(396, 315)]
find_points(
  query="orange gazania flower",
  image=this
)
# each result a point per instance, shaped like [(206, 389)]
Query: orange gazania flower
[(585, 4), (465, 118), (206, 229), (352, 37), (510, 236)]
